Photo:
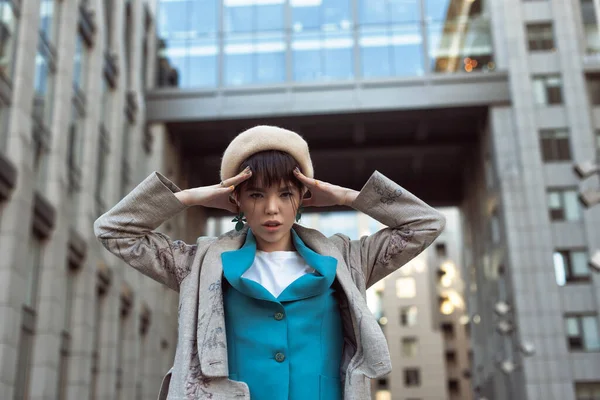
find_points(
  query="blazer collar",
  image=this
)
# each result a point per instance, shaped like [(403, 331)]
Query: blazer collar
[(236, 262)]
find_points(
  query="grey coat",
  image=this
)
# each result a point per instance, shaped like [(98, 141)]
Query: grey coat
[(200, 368)]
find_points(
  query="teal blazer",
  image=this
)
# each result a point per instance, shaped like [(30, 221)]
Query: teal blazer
[(289, 347)]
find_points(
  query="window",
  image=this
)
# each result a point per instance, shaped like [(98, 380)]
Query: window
[(547, 89), (598, 144), (26, 339), (450, 52), (108, 23), (590, 27), (75, 160), (412, 377), (563, 205), (495, 227), (127, 42), (447, 330), (451, 357), (80, 63), (453, 386), (382, 390), (593, 87), (540, 37), (24, 359), (555, 145), (8, 36), (103, 147), (142, 345), (582, 332), (125, 309), (406, 288), (65, 347), (100, 300), (489, 172), (571, 266), (125, 165), (408, 316), (440, 250), (410, 347), (587, 390)]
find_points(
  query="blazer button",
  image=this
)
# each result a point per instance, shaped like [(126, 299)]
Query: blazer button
[(279, 357), (279, 316)]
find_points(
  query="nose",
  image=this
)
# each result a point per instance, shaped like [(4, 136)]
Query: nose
[(272, 206)]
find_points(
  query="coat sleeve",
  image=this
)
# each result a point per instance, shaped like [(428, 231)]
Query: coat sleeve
[(127, 231), (412, 226)]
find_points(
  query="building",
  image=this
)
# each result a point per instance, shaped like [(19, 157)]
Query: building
[(424, 317), (485, 105), (74, 322)]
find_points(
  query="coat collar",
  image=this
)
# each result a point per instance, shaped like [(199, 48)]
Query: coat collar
[(236, 262)]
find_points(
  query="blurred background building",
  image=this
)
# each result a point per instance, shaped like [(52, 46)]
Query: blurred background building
[(478, 105)]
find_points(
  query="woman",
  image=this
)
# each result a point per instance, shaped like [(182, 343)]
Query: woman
[(271, 310)]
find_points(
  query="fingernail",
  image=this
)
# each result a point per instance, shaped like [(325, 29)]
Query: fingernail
[(247, 170), (231, 187), (297, 170)]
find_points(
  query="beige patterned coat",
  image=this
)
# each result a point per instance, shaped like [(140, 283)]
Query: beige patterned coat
[(194, 270)]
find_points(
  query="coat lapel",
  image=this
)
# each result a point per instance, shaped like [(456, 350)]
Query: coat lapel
[(211, 339), (368, 334)]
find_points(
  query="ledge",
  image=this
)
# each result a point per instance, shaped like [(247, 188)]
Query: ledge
[(87, 25), (111, 70), (8, 177), (77, 249), (44, 216)]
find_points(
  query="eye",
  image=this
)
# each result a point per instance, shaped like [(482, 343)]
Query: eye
[(255, 195), (286, 194)]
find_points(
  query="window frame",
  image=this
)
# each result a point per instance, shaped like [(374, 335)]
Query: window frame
[(580, 327), (536, 33), (412, 377), (550, 138), (568, 262), (553, 95), (563, 207)]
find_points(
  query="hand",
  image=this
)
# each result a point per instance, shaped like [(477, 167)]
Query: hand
[(214, 196), (325, 194)]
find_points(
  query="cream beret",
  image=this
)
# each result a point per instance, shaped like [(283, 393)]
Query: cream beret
[(261, 138)]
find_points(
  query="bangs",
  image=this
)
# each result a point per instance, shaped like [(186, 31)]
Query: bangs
[(271, 168)]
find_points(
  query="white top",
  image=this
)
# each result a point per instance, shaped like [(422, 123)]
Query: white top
[(276, 270)]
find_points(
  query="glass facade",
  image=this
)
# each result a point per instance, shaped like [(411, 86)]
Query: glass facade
[(233, 43)]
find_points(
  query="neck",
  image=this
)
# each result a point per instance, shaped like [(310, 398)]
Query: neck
[(285, 244)]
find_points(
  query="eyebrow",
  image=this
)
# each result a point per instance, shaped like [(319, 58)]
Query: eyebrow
[(257, 189)]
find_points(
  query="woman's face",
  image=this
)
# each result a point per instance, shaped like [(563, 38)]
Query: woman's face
[(270, 213)]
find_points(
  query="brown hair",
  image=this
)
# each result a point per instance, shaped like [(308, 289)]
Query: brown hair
[(269, 168)]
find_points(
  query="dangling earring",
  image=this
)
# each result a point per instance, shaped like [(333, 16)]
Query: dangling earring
[(299, 214), (240, 220)]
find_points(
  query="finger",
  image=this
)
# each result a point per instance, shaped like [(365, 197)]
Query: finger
[(303, 178), (239, 178)]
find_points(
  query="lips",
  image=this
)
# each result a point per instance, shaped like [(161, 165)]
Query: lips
[(272, 224)]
